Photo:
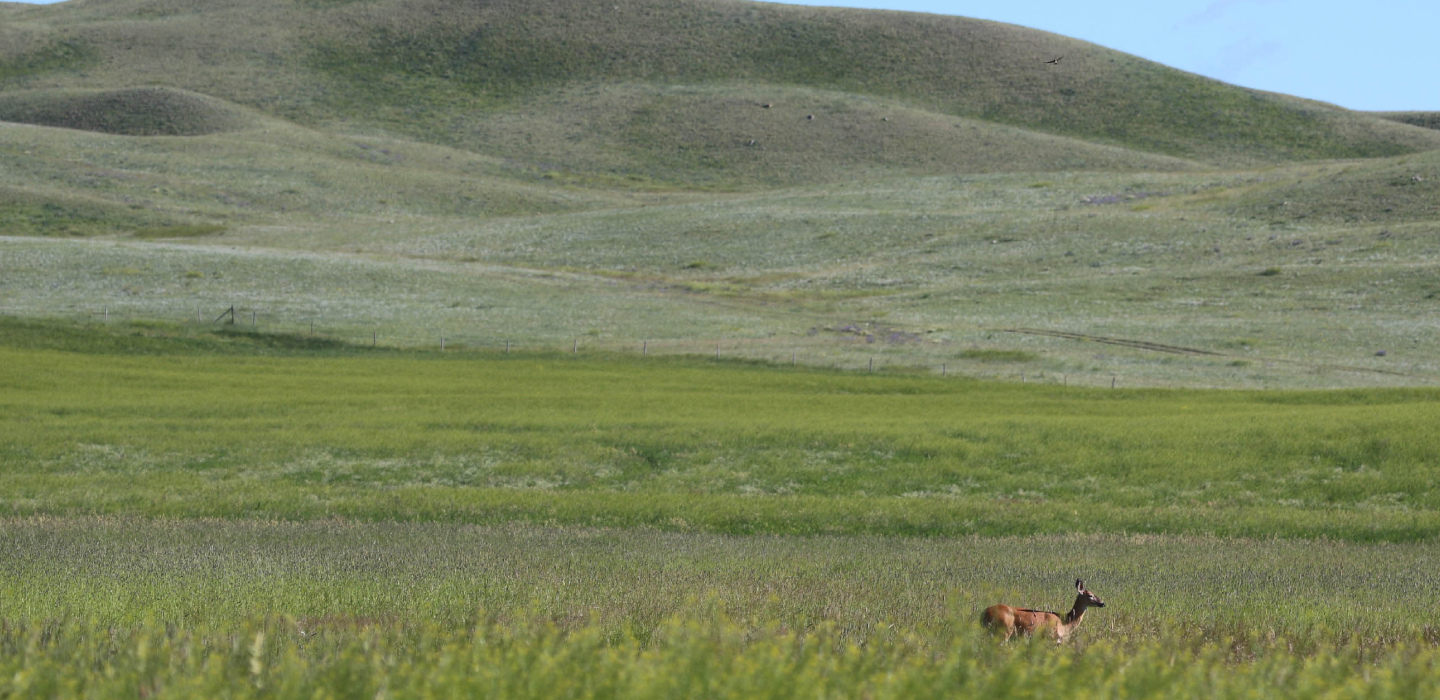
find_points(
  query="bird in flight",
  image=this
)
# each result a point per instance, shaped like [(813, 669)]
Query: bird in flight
[(1055, 61)]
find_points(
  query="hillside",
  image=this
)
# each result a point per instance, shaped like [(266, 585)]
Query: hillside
[(1428, 120), (837, 187), (128, 111), (674, 92), (949, 65)]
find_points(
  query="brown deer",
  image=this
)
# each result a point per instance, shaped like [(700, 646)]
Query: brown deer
[(1005, 621)]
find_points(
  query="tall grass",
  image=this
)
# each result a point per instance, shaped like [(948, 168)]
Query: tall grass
[(221, 573), (690, 444), (116, 607), (699, 657)]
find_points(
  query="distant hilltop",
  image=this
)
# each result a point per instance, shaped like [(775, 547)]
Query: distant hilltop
[(671, 91)]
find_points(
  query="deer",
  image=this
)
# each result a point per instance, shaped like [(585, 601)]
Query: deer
[(1005, 621)]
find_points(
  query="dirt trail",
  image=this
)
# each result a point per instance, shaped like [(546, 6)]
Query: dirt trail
[(1143, 345)]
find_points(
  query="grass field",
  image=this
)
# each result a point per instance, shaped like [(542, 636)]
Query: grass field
[(181, 431), (330, 573), (285, 516), (696, 657), (284, 609), (907, 272), (698, 349), (281, 515)]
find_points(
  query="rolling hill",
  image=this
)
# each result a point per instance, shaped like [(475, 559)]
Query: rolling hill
[(675, 91), (790, 182), (1429, 120), (127, 111)]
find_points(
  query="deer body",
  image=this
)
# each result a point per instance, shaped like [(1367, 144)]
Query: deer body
[(1006, 621)]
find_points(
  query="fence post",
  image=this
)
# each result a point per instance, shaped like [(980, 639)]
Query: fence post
[(442, 343), (507, 347), (644, 347), (374, 338), (872, 364), (942, 369), (106, 310), (575, 349)]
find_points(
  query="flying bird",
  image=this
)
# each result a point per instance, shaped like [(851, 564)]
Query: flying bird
[(1055, 61)]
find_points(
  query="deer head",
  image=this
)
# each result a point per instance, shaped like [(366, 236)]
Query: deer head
[(1086, 599)]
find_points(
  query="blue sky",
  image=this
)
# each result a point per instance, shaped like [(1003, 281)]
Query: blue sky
[(1373, 55)]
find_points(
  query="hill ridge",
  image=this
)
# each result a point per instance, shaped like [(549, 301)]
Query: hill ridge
[(456, 74), (952, 65)]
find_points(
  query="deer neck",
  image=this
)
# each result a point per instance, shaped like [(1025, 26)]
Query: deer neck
[(1073, 618)]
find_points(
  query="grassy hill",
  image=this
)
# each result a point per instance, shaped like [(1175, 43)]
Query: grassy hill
[(129, 111), (949, 65), (675, 91), (1428, 120), (834, 186)]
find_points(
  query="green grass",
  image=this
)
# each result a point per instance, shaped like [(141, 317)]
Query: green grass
[(998, 355), (700, 657), (1428, 120), (721, 138), (191, 231), (101, 607), (687, 445), (274, 175), (947, 264), (216, 573), (272, 516), (25, 60), (1385, 192), (132, 112), (28, 213), (153, 338), (316, 500)]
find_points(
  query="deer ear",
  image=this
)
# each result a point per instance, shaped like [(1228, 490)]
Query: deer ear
[(1079, 585)]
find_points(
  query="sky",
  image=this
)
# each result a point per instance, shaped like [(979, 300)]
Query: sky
[(1371, 55)]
